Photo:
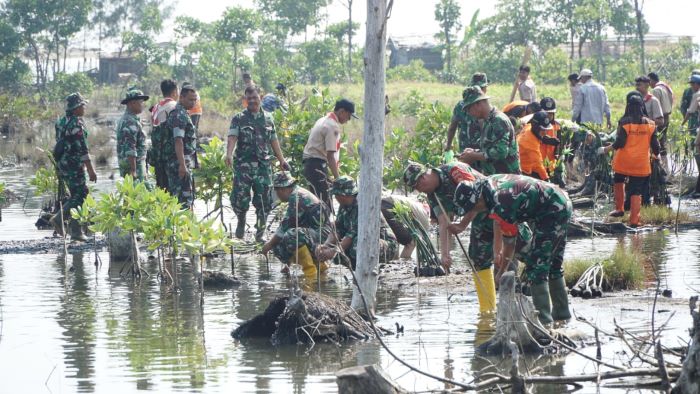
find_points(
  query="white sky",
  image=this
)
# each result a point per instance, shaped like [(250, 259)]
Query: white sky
[(416, 17)]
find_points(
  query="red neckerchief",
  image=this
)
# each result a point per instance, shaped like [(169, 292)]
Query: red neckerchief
[(333, 116)]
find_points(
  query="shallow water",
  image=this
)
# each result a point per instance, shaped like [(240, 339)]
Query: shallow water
[(68, 326)]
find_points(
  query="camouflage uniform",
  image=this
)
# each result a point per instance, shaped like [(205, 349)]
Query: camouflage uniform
[(72, 135), (179, 125), (469, 128), (252, 168), (346, 224), (131, 142), (497, 141), (513, 199), (306, 222), (450, 175)]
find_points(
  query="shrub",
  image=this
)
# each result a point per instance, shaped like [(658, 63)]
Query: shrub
[(415, 71), (64, 84), (623, 270)]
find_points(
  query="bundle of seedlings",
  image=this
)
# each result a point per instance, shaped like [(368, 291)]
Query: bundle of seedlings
[(590, 284), (428, 261), (306, 318)]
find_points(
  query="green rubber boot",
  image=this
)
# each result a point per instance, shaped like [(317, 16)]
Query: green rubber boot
[(540, 297), (560, 299), (240, 226)]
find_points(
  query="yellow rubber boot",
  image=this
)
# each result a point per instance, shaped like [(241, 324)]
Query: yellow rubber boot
[(304, 259), (485, 290)]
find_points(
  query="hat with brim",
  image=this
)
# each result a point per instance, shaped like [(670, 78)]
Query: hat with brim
[(347, 105), (344, 186), (472, 95), (541, 119), (412, 173), (74, 101), (694, 79), (585, 73), (283, 179), (134, 94), (480, 80)]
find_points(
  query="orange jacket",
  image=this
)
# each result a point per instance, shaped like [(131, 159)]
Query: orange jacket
[(549, 151), (197, 109), (634, 159), (529, 147)]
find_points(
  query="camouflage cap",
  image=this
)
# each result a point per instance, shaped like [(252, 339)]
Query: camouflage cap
[(472, 95), (283, 179), (480, 80), (467, 194), (344, 186), (75, 100), (412, 173), (134, 94)]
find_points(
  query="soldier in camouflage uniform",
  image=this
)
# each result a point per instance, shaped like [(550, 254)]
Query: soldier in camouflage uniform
[(180, 128), (439, 184), (72, 158), (131, 140), (162, 149), (346, 227), (252, 134), (513, 199), (469, 127), (306, 223)]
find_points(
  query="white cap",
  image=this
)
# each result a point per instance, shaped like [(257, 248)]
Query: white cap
[(586, 72)]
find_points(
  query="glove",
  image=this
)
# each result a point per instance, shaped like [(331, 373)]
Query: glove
[(547, 140), (448, 156), (601, 150)]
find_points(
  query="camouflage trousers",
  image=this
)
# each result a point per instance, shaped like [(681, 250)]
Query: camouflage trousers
[(77, 187), (548, 242), (161, 172), (141, 173), (258, 178), (182, 188), (388, 250), (295, 238), (481, 242)]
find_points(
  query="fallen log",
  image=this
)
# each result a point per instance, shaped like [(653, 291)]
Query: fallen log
[(305, 318), (219, 280), (366, 379)]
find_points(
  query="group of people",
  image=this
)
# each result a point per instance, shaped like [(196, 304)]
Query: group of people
[(504, 180)]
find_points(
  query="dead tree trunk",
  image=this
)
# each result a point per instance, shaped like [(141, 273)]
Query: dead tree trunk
[(689, 381), (511, 327), (371, 156)]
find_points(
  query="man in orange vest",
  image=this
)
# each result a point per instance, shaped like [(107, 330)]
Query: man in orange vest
[(530, 146), (636, 134), (551, 148)]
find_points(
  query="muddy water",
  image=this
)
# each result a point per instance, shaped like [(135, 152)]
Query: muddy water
[(68, 326)]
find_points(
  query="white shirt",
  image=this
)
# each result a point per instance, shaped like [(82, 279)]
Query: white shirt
[(527, 90)]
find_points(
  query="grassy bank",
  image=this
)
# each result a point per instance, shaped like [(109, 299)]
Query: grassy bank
[(624, 269), (656, 215)]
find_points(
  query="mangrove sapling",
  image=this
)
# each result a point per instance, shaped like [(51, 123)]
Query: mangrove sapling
[(214, 177), (84, 215), (425, 250)]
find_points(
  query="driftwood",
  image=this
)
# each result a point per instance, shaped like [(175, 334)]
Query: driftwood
[(366, 379), (511, 325), (305, 318), (218, 279), (689, 381)]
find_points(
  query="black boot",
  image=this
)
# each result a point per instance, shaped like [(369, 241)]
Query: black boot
[(240, 227)]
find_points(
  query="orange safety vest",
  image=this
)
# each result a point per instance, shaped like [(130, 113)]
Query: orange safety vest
[(634, 158), (549, 151), (197, 109), (529, 147)]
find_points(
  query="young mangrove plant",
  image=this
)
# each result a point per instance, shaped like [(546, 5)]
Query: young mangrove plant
[(214, 177), (428, 260)]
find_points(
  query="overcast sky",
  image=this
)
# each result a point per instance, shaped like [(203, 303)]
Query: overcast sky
[(416, 17)]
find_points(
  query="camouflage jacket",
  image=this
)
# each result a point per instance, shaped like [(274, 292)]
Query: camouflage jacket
[(304, 210), (179, 125), (469, 128), (450, 174), (685, 100), (72, 134), (131, 140), (498, 143), (255, 132), (513, 199), (346, 224)]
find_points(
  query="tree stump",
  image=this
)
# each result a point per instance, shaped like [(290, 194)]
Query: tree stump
[(305, 318), (511, 326), (366, 379), (689, 381)]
